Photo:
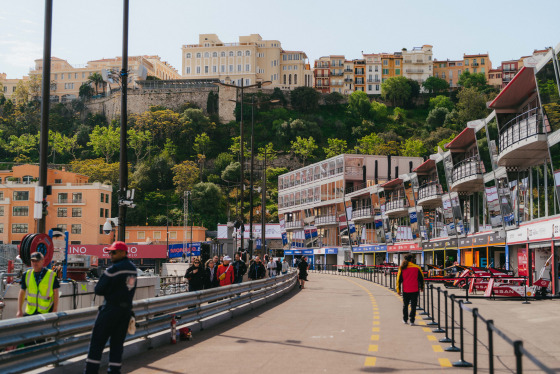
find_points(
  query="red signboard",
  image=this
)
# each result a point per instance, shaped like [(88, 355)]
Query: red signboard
[(134, 251), (403, 247)]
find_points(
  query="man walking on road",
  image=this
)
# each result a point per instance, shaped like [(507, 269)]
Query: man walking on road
[(257, 270), (239, 268), (118, 285), (410, 281), (302, 266), (41, 288)]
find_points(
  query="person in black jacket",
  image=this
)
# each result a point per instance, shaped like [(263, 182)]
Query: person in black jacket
[(195, 276), (239, 268), (257, 270), (302, 266), (118, 285), (211, 275), (278, 266)]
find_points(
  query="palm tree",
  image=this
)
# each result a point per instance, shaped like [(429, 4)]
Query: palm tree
[(96, 79)]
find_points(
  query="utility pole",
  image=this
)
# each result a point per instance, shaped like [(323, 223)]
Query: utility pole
[(263, 207), (45, 106), (186, 218), (251, 176), (123, 162)]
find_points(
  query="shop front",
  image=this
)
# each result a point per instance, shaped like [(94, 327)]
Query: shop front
[(325, 257), (397, 251), (441, 252), (483, 250), (374, 254), (294, 254)]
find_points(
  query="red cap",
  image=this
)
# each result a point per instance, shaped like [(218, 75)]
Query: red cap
[(118, 246)]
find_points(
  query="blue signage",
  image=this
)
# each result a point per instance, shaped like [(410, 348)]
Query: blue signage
[(369, 248), (351, 227), (331, 251), (258, 243), (413, 217), (299, 252), (177, 250), (284, 238)]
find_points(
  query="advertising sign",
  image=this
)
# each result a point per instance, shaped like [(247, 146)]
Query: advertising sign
[(134, 251)]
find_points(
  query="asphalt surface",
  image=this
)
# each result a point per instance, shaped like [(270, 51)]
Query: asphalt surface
[(335, 325)]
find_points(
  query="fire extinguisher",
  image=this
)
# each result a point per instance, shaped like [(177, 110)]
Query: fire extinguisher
[(173, 330)]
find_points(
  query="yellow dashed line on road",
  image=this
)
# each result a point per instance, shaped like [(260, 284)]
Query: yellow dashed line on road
[(432, 338), (375, 329), (437, 348), (375, 337), (445, 363), (376, 322), (373, 348), (375, 317), (426, 329), (370, 361)]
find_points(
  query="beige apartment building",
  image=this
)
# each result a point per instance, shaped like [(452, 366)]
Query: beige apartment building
[(8, 85), (75, 205), (247, 62), (373, 73), (417, 63), (66, 79)]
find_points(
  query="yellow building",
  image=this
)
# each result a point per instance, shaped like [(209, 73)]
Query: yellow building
[(391, 65), (249, 61), (8, 86), (448, 70), (479, 63), (337, 73), (373, 73)]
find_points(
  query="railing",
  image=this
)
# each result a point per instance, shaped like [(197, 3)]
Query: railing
[(325, 220), (293, 224), (442, 318), (354, 170), (401, 203), (348, 70), (356, 187), (348, 80), (521, 127), (467, 168), (70, 201), (67, 333), (337, 74), (374, 81), (362, 213), (428, 190)]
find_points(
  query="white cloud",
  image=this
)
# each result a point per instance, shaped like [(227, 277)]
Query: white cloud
[(20, 55)]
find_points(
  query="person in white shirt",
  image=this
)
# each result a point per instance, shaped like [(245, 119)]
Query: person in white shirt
[(285, 266), (271, 266)]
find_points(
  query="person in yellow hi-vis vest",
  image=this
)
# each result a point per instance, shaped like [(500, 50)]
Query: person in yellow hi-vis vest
[(39, 287)]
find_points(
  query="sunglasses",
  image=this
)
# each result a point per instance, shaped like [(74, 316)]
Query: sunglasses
[(113, 252)]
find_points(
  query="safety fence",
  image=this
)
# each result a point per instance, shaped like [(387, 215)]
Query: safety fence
[(36, 341), (442, 317)]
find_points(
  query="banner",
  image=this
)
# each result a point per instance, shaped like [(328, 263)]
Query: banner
[(258, 242), (351, 227), (342, 221), (175, 250), (313, 232), (413, 217), (284, 239), (307, 232), (134, 250)]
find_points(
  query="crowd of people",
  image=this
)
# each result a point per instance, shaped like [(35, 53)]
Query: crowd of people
[(222, 271)]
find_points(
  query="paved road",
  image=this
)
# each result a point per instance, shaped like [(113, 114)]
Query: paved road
[(335, 325)]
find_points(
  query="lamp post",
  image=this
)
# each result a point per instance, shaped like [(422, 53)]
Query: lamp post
[(167, 205), (241, 88)]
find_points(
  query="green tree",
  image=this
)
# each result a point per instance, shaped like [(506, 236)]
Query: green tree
[(267, 150), (471, 105), (201, 145), (436, 117), (21, 93), (97, 170), (435, 84), (277, 94), (185, 176), (441, 101), (232, 172), (139, 141), (21, 146), (472, 80), (304, 148), (399, 115), (222, 161), (442, 143), (369, 144), (212, 103), (97, 80), (335, 147), (208, 204), (62, 145), (413, 148), (235, 147), (86, 91), (379, 111), (334, 98), (359, 105), (163, 124), (397, 90), (305, 99), (105, 141)]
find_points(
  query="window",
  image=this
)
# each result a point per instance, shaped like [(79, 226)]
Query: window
[(397, 62), (75, 75), (188, 70), (231, 68), (19, 228), (106, 213), (230, 53), (377, 87), (295, 78), (76, 228), (69, 75), (482, 70), (1, 228), (56, 76), (61, 227), (466, 62), (239, 53), (62, 212), (369, 89), (77, 197), (76, 212), (58, 181), (107, 198), (481, 61), (126, 235), (198, 55), (189, 55), (62, 76), (20, 211), (75, 242), (206, 54), (63, 197), (385, 71), (157, 234), (214, 54), (100, 229), (214, 69), (102, 197), (1, 211), (101, 212), (238, 67), (397, 71), (68, 86), (222, 54), (21, 195), (141, 235), (247, 68), (223, 69), (198, 70), (206, 69), (385, 62)]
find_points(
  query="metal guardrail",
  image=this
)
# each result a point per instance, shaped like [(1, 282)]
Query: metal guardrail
[(522, 127), (467, 168), (67, 334), (428, 190)]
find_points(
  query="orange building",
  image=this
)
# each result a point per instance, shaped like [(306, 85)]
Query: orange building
[(391, 65), (479, 63), (449, 71), (75, 205), (359, 75), (158, 234)]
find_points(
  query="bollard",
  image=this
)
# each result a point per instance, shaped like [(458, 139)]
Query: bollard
[(426, 312), (446, 338), (452, 347), (518, 356), (462, 362), (385, 279), (424, 308), (433, 322), (391, 281), (525, 288), (438, 330), (475, 340), (489, 324), (467, 293)]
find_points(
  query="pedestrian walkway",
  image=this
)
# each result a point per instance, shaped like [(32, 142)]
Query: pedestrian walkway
[(336, 324)]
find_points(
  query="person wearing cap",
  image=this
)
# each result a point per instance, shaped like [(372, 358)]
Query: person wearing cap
[(117, 285), (225, 273), (39, 288)]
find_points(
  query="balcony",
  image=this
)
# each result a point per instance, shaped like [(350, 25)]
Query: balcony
[(294, 225), (429, 195), (328, 220), (397, 207), (374, 81), (523, 140), (336, 74), (415, 71), (363, 215), (348, 80), (70, 202), (348, 70), (467, 176)]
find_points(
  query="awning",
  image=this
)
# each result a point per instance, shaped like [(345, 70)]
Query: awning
[(425, 167), (518, 90), (392, 183), (463, 140)]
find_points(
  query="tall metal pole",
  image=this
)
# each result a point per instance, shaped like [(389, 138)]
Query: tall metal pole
[(241, 173), (45, 103), (251, 176), (263, 208), (123, 166)]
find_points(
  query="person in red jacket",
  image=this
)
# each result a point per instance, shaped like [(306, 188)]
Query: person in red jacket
[(226, 272), (410, 281)]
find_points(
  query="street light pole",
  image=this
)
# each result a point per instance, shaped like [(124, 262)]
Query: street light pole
[(123, 162), (263, 207), (251, 176)]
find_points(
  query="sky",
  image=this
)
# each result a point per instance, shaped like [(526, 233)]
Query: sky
[(88, 30)]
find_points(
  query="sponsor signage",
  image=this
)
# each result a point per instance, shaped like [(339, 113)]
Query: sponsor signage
[(369, 248), (440, 244), (134, 250), (325, 251), (298, 252), (404, 247)]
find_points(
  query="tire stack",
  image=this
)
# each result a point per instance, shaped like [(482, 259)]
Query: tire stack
[(36, 243)]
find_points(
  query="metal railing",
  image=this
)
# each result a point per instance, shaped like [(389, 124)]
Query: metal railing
[(521, 127), (443, 319), (67, 334), (294, 224), (432, 189), (325, 220), (356, 187), (467, 168), (362, 213), (395, 204)]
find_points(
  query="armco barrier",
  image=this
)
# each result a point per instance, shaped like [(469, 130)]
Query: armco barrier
[(379, 275), (67, 334)]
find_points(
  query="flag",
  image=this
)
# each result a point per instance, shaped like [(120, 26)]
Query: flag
[(351, 227), (284, 239)]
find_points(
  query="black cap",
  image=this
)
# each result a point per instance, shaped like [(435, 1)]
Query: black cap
[(37, 256)]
